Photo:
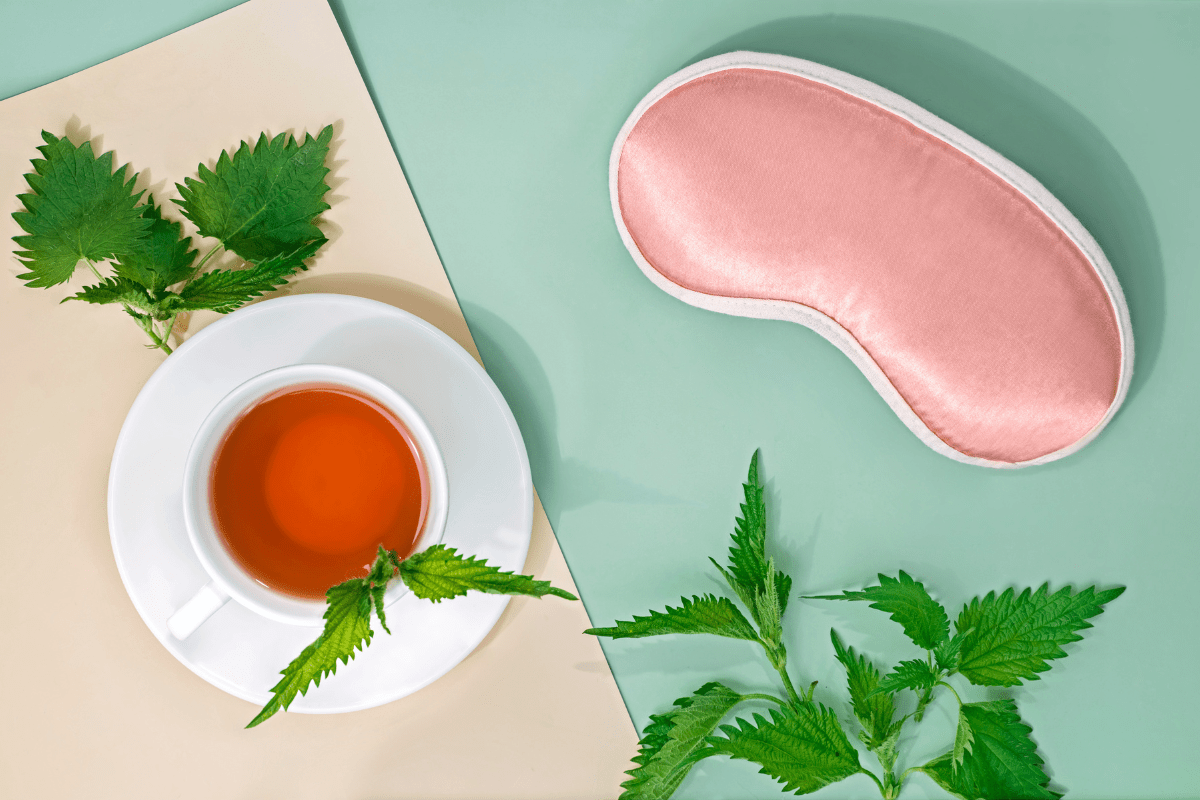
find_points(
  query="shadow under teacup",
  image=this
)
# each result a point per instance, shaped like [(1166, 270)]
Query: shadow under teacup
[(231, 579)]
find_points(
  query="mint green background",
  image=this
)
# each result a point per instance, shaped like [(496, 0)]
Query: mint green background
[(641, 412)]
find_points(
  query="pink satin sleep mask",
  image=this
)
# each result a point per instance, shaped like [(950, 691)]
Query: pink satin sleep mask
[(975, 304)]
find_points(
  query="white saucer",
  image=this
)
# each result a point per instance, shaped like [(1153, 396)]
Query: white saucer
[(491, 494)]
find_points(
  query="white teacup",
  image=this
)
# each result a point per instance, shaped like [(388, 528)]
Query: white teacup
[(227, 578)]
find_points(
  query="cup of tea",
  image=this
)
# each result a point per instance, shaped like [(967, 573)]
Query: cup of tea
[(292, 483)]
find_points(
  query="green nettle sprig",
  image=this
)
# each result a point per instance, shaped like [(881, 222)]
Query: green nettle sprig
[(435, 574), (998, 640), (260, 204)]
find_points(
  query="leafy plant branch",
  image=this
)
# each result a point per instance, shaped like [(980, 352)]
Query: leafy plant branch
[(437, 573), (261, 204), (998, 640)]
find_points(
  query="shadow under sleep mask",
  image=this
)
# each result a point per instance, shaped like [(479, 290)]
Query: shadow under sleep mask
[(972, 300)]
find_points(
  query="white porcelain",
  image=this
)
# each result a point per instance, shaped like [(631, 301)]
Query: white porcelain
[(489, 512), (228, 578)]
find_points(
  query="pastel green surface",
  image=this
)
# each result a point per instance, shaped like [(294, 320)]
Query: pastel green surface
[(641, 412)]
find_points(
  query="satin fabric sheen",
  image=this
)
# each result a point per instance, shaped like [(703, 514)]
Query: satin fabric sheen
[(990, 323)]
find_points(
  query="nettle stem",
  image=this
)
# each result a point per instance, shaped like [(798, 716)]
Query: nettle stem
[(787, 684), (882, 790), (890, 784), (770, 697), (166, 334), (161, 344), (952, 689), (779, 662), (170, 327), (206, 257)]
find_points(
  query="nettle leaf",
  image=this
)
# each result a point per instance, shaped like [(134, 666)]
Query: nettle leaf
[(749, 570), (440, 573), (144, 321), (999, 760), (745, 594), (874, 710), (434, 574), (886, 751), (783, 587), (261, 203), (768, 611), (804, 748), (671, 743), (347, 629), (915, 674), (160, 259), (963, 738), (116, 290), (383, 569), (1012, 637), (923, 618), (747, 554), (702, 614), (223, 290), (77, 208), (946, 654)]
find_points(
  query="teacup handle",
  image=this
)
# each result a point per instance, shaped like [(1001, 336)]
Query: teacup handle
[(184, 622)]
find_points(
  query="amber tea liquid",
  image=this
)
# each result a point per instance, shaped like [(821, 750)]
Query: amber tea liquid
[(310, 481)]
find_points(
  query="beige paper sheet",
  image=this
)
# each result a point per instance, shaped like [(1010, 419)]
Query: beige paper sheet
[(93, 706)]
